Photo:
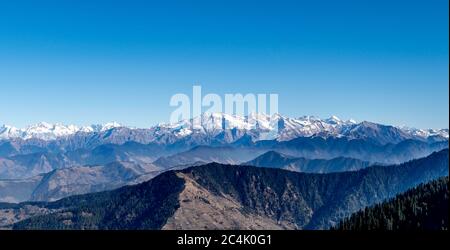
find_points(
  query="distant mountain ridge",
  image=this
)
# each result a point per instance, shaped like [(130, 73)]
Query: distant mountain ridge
[(218, 196), (273, 159), (30, 158), (258, 126), (47, 131)]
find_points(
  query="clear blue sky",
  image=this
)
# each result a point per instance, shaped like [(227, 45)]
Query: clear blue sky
[(86, 62)]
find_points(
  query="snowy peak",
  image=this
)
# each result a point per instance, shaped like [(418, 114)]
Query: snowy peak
[(7, 132), (45, 130), (334, 120), (108, 126)]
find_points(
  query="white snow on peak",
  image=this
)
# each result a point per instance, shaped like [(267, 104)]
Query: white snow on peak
[(7, 132), (334, 120), (274, 126), (110, 125), (425, 133), (259, 126), (47, 131)]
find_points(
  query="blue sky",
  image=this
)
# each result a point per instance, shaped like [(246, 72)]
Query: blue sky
[(87, 62)]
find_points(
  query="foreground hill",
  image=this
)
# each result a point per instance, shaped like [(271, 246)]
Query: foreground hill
[(422, 208), (218, 196)]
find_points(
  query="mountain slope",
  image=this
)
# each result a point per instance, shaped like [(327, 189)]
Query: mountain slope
[(422, 208), (218, 196), (64, 182), (88, 179), (147, 205), (15, 191)]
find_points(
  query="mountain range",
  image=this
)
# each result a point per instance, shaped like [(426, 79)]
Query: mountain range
[(217, 196), (49, 162), (258, 126), (47, 131)]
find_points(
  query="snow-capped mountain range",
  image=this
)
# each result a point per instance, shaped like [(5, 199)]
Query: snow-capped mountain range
[(258, 126), (47, 131)]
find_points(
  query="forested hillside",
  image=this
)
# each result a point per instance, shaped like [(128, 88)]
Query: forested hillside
[(421, 208)]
